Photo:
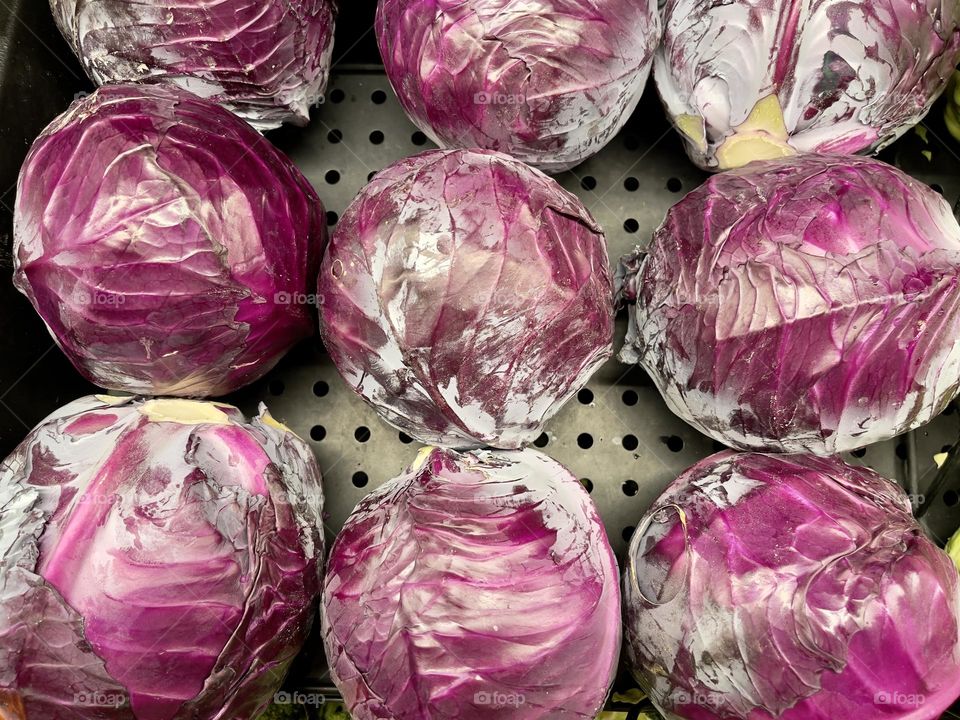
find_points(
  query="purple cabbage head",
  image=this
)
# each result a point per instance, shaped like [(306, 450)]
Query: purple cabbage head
[(166, 244), (473, 586), (790, 587), (466, 296), (159, 559), (810, 304), (548, 82), (751, 79), (266, 60)]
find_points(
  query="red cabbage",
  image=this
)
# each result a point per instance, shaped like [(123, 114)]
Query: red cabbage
[(266, 60), (548, 82), (165, 243), (749, 80), (790, 587), (466, 296), (158, 559), (473, 586), (810, 304)]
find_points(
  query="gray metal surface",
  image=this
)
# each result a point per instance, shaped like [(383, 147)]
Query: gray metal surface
[(618, 435)]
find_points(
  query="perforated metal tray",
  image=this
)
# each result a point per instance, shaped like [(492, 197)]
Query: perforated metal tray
[(617, 435), (636, 446)]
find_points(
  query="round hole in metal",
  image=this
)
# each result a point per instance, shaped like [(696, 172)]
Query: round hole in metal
[(674, 443)]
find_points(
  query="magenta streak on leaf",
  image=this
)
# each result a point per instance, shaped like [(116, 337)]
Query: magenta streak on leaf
[(786, 48)]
